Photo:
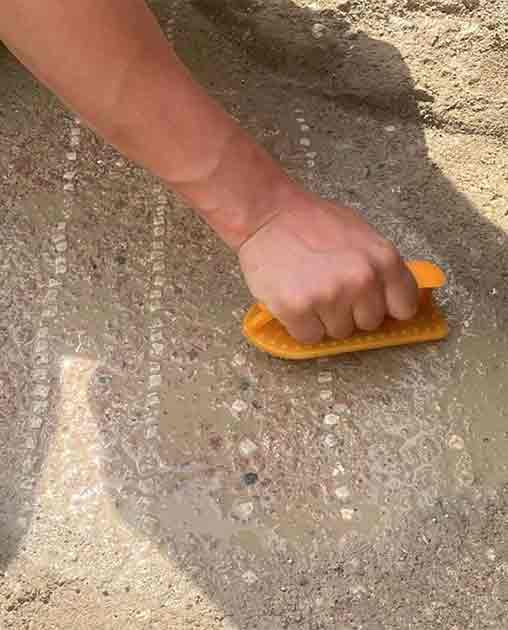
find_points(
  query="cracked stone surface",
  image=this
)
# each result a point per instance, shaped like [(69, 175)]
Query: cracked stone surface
[(158, 472)]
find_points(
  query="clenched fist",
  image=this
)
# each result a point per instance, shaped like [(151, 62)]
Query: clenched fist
[(322, 270)]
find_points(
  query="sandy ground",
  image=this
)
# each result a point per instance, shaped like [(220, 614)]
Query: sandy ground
[(160, 473)]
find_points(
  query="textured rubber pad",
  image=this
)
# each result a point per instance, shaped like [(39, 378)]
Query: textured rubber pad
[(269, 335)]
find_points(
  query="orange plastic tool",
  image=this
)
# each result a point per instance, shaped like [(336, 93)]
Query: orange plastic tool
[(268, 334)]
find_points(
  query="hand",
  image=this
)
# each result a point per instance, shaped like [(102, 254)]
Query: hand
[(322, 270)]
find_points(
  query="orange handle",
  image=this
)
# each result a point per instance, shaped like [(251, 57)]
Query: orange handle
[(426, 274)]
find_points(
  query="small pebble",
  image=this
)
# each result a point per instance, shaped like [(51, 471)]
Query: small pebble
[(239, 406), (155, 294), (305, 142), (157, 349), (326, 394), (42, 358), (247, 447), (40, 406), (40, 374), (250, 478), (40, 391), (331, 419), (41, 345), (390, 128), (22, 521), (35, 422), (341, 409), (325, 377), (155, 381), (456, 442), (342, 493), (347, 514), (153, 399), (491, 554), (304, 128), (250, 577), (156, 323), (239, 359), (330, 441), (243, 511), (318, 30)]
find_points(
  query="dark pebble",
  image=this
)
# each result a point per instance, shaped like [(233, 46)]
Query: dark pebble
[(250, 478)]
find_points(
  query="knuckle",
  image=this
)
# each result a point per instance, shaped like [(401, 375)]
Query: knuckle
[(295, 306), (372, 323), (407, 311), (341, 330), (329, 293), (310, 337), (389, 257), (364, 279), (309, 332), (299, 306)]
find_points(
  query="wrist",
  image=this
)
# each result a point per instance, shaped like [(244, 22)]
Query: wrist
[(245, 190)]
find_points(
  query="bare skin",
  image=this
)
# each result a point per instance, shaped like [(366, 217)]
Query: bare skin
[(316, 265)]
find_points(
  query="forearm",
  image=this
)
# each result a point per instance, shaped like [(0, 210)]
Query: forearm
[(110, 62)]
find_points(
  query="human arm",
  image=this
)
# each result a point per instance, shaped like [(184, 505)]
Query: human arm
[(317, 266)]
